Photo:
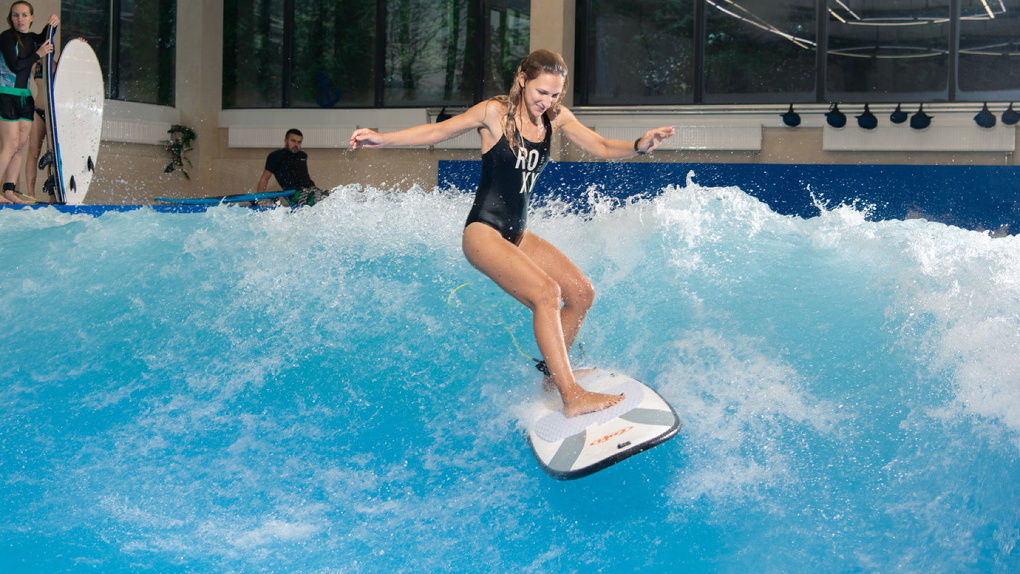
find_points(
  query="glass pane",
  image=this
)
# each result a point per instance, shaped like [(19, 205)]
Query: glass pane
[(253, 54), (147, 49), (885, 50), (334, 54), (144, 52), (509, 42), (89, 19), (639, 52), (428, 62), (760, 50), (990, 48)]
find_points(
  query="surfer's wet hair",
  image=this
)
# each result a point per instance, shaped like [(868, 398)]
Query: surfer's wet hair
[(535, 64)]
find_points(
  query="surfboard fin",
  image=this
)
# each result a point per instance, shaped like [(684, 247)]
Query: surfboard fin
[(50, 185), (46, 160), (91, 165), (74, 185)]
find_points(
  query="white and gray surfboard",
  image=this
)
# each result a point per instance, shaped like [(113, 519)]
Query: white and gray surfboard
[(76, 99), (569, 448)]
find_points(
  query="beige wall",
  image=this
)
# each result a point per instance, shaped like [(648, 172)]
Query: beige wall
[(552, 28), (131, 171)]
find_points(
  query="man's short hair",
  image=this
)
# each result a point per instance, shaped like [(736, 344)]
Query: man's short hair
[(294, 131)]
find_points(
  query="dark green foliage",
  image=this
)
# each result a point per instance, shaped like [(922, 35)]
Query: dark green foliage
[(181, 138)]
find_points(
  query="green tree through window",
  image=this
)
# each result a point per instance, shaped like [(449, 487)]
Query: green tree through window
[(365, 53)]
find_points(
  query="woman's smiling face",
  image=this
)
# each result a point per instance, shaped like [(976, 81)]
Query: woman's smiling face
[(542, 93)]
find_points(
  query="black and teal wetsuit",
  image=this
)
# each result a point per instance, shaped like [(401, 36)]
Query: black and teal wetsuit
[(504, 188), (18, 58)]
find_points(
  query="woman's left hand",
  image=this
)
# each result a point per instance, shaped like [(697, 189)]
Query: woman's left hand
[(653, 138)]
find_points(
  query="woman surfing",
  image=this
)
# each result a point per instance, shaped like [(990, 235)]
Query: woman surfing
[(515, 132)]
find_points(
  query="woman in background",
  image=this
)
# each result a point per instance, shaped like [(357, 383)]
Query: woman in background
[(20, 49)]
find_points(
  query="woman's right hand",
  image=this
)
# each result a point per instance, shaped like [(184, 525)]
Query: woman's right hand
[(46, 48), (364, 137)]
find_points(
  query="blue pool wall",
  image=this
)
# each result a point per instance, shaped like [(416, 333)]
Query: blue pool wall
[(991, 200)]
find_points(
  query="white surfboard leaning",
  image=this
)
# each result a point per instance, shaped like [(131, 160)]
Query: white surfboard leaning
[(569, 448), (76, 99)]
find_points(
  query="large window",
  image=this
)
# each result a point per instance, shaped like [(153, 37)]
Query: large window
[(640, 52), (989, 63), (253, 54), (760, 50), (766, 51), (135, 41), (508, 34), (887, 49), (362, 53), (427, 61), (275, 55), (334, 56)]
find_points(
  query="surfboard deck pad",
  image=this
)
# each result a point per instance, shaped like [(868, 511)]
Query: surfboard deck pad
[(570, 448)]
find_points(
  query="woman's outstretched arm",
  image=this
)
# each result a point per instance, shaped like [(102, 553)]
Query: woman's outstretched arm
[(481, 115), (591, 142)]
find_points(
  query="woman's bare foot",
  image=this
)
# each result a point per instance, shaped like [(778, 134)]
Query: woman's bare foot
[(549, 386), (576, 400), (12, 197), (589, 402), (4, 200)]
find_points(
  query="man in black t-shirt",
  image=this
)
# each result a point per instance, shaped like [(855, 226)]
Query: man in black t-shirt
[(290, 166)]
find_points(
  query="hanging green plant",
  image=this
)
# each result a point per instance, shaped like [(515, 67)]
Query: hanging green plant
[(181, 138)]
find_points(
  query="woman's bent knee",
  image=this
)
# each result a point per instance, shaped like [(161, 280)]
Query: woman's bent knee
[(548, 295), (581, 295)]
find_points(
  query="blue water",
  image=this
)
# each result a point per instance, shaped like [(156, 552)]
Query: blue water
[(296, 391)]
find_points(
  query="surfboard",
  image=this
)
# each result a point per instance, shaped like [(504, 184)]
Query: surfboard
[(76, 96), (47, 160), (570, 448), (240, 198)]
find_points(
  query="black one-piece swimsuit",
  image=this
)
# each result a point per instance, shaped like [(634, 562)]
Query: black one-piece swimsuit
[(504, 188)]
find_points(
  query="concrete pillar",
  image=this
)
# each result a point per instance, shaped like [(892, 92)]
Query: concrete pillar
[(200, 84), (552, 28)]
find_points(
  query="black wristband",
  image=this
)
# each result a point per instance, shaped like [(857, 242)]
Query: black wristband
[(637, 150)]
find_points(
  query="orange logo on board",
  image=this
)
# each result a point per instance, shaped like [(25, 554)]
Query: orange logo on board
[(609, 436)]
